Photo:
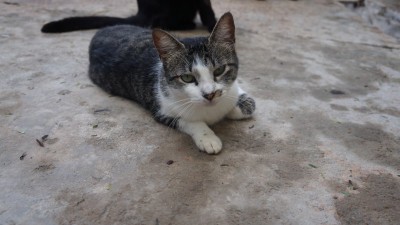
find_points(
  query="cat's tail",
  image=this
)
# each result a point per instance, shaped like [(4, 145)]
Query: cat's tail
[(87, 23)]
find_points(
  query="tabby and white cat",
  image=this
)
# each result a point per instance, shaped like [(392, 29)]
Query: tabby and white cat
[(187, 84)]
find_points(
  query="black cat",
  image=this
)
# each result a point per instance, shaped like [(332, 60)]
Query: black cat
[(165, 14)]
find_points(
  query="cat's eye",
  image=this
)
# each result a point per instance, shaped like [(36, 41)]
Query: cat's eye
[(219, 71), (187, 78)]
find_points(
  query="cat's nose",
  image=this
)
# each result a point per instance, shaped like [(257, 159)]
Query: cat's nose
[(212, 95)]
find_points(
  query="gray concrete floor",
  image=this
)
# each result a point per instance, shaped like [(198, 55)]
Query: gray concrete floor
[(323, 147)]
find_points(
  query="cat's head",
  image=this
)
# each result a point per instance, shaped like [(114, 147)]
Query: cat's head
[(201, 69)]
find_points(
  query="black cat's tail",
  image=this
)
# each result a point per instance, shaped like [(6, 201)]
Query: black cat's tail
[(87, 23)]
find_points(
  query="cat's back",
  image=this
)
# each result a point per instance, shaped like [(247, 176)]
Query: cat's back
[(120, 31), (119, 39), (121, 50), (121, 59)]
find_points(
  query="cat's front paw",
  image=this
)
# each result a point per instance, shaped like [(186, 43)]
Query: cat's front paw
[(208, 143), (244, 108)]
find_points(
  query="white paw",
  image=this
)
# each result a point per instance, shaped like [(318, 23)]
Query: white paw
[(208, 143)]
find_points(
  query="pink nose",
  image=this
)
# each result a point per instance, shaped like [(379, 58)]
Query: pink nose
[(210, 96)]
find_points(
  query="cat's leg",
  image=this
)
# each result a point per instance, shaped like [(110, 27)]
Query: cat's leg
[(202, 135), (204, 138), (171, 23), (244, 108)]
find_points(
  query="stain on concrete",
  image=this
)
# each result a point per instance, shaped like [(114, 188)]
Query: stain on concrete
[(191, 188), (64, 92), (51, 141), (369, 141), (373, 109), (325, 94), (9, 102), (175, 193), (378, 202), (339, 107), (44, 167), (238, 215)]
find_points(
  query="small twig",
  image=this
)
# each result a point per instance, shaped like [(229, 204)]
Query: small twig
[(40, 143), (11, 3), (22, 156)]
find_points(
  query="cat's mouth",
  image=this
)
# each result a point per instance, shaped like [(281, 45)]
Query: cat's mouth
[(210, 102), (212, 99)]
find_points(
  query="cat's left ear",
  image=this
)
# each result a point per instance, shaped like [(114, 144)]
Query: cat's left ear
[(166, 44), (224, 30)]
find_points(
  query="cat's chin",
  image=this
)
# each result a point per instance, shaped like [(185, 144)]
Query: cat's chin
[(210, 103)]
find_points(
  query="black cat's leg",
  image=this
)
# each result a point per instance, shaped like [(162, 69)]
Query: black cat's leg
[(189, 25), (244, 108), (168, 23), (207, 14), (139, 20)]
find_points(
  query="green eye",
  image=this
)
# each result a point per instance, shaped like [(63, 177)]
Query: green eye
[(219, 71), (187, 78)]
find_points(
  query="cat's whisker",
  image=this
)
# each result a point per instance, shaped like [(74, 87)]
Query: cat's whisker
[(183, 111), (176, 118), (179, 107), (190, 112), (185, 99), (177, 102)]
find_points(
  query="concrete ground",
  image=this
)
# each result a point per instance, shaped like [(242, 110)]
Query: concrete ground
[(323, 147)]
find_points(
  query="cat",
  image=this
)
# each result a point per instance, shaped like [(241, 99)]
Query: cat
[(165, 14), (186, 84)]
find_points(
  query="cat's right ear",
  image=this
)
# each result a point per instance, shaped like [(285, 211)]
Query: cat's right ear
[(166, 44), (224, 30)]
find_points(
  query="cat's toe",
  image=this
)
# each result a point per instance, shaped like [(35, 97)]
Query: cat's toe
[(210, 144)]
